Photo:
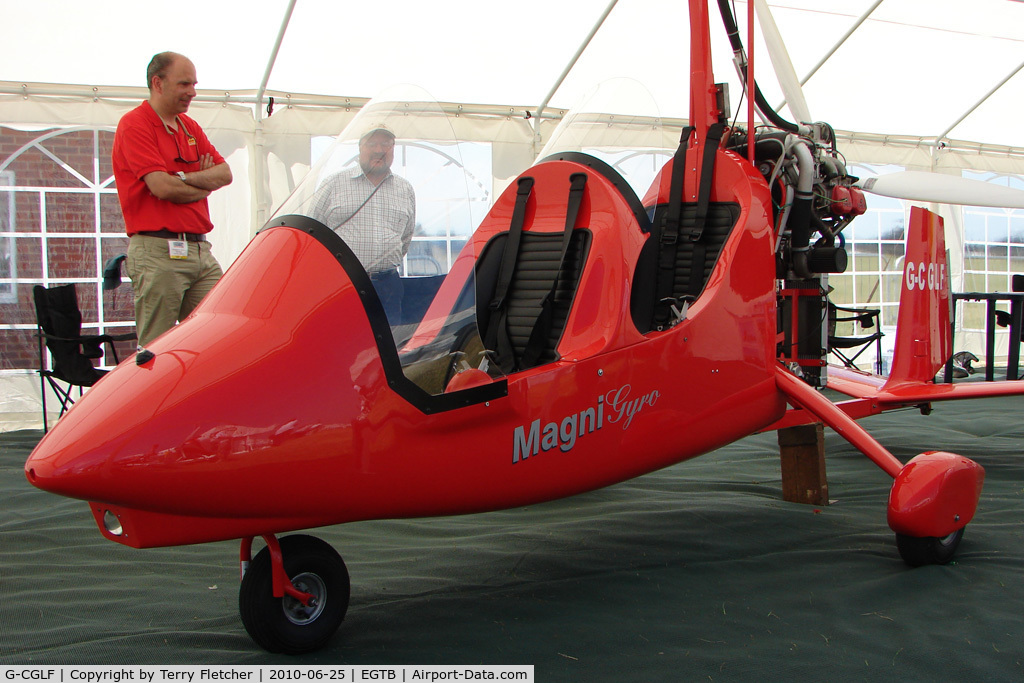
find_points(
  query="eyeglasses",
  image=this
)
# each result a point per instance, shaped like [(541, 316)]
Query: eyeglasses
[(191, 143)]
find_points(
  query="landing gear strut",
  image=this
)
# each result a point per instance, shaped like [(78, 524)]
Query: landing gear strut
[(294, 594)]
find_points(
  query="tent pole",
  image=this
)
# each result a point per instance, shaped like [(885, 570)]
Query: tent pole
[(565, 72), (977, 104), (273, 58), (259, 154), (839, 43)]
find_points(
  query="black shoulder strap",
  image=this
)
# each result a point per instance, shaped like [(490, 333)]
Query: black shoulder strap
[(542, 326), (496, 336), (673, 217), (511, 253), (707, 177), (669, 232)]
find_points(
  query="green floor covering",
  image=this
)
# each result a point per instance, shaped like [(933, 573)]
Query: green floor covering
[(699, 572)]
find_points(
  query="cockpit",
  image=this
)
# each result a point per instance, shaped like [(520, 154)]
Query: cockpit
[(461, 291), (396, 202)]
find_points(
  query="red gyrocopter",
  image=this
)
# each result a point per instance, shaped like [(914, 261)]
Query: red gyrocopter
[(582, 337)]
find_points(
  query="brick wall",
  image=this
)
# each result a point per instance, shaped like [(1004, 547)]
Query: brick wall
[(65, 228)]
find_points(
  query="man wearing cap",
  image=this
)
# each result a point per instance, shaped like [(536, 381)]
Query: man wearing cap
[(374, 211), (165, 168)]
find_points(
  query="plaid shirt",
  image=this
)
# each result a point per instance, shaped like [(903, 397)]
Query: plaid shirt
[(379, 231)]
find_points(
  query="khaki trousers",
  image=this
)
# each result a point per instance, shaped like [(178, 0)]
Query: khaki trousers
[(166, 289)]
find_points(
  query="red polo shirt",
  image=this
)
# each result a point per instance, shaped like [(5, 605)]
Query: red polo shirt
[(142, 145)]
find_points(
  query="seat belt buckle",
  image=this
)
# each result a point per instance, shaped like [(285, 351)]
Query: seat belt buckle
[(679, 310), (679, 307)]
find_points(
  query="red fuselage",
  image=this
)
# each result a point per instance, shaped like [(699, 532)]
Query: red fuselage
[(270, 409)]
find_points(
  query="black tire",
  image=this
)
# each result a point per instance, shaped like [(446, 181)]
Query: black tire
[(284, 624), (918, 552)]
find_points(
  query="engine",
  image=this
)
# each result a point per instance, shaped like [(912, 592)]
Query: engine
[(813, 200)]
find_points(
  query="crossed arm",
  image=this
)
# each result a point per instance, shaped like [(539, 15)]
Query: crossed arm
[(198, 184)]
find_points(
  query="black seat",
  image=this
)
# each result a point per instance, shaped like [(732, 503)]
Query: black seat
[(841, 346), (59, 328), (539, 263), (692, 266), (526, 279)]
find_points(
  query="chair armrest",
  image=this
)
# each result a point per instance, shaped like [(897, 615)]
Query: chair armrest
[(865, 316), (128, 336), (852, 342)]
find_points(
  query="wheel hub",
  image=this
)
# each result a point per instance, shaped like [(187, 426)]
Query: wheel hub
[(295, 611)]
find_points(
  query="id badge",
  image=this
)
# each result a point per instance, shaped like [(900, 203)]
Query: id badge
[(178, 249)]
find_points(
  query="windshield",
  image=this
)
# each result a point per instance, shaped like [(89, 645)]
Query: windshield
[(395, 187), (635, 144)]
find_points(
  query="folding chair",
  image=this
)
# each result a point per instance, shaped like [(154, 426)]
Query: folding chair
[(59, 328), (841, 346), (1003, 318)]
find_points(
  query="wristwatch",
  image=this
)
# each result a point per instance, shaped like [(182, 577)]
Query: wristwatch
[(181, 174)]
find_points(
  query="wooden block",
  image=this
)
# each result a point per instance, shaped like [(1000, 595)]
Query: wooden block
[(802, 451)]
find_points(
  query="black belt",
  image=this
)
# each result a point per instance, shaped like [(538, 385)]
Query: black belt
[(381, 274), (171, 235)]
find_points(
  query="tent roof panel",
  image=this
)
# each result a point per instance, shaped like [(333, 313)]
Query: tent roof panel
[(914, 67)]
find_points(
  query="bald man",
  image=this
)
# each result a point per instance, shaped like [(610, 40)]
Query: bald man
[(165, 168)]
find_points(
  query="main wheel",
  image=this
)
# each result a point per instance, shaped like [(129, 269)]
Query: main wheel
[(928, 550), (285, 624)]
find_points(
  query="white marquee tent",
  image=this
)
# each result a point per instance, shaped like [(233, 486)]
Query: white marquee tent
[(910, 67), (932, 85)]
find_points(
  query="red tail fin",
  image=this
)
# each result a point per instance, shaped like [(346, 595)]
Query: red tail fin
[(924, 340)]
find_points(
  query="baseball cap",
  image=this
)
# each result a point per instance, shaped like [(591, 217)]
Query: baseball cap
[(377, 128)]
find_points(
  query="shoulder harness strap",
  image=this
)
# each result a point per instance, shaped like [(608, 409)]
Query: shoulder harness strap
[(496, 336), (542, 326), (707, 176), (669, 233)]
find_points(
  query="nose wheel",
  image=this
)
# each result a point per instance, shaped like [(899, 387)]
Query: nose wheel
[(294, 594), (918, 552)]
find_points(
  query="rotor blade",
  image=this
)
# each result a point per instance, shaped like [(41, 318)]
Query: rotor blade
[(943, 189), (784, 70)]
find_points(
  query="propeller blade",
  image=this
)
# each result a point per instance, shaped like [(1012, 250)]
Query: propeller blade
[(943, 189), (784, 70)]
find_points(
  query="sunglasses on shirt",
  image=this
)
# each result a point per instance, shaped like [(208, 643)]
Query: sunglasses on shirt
[(191, 143)]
